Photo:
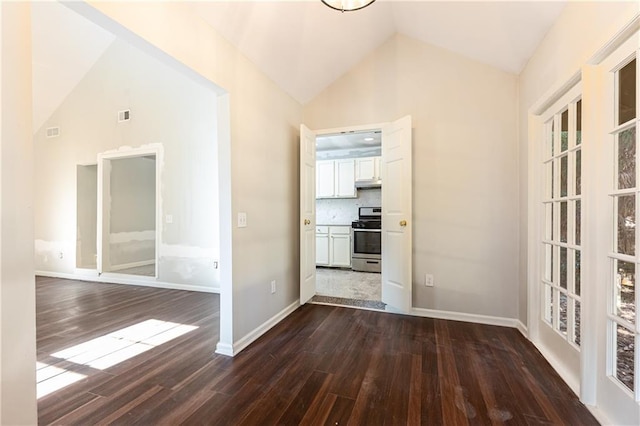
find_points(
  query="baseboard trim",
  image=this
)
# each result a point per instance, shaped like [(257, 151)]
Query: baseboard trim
[(132, 265), (572, 382), (126, 279), (252, 336), (460, 316), (224, 349), (522, 328)]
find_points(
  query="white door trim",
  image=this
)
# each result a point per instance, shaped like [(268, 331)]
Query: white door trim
[(155, 149)]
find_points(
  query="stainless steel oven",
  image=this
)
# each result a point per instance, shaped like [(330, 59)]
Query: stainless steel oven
[(366, 250)]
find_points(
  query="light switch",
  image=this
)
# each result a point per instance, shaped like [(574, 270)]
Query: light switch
[(168, 219), (242, 220)]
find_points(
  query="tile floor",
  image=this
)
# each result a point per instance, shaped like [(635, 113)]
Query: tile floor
[(347, 287)]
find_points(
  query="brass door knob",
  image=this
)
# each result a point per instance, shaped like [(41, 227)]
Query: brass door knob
[(403, 223), (307, 222)]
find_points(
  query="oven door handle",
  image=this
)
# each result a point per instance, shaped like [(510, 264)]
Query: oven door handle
[(366, 230)]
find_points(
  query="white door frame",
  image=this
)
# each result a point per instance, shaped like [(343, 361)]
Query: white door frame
[(104, 169), (353, 129)]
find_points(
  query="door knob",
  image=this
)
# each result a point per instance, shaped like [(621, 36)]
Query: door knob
[(403, 223), (307, 222)]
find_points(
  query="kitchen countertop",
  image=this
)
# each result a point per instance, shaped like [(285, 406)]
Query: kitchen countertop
[(333, 224)]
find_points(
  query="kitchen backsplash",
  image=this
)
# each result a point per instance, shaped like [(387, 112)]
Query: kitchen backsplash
[(343, 211)]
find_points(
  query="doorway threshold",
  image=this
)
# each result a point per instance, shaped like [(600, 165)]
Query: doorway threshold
[(353, 303)]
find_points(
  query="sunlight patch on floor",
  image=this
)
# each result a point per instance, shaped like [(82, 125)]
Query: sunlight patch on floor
[(106, 351)]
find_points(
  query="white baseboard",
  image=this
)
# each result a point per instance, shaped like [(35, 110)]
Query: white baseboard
[(460, 316), (224, 349), (252, 336), (132, 265), (523, 329), (126, 279), (569, 379)]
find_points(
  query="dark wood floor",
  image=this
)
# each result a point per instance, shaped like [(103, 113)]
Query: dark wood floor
[(321, 365)]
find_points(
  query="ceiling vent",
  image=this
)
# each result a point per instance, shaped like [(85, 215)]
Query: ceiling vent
[(124, 115), (53, 132)]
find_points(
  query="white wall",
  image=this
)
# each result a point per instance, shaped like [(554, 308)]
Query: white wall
[(17, 287), (465, 193), (167, 108), (264, 156), (581, 30)]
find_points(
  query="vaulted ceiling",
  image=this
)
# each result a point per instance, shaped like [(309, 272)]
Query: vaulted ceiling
[(303, 46)]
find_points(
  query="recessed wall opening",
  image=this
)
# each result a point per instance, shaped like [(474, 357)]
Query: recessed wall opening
[(87, 216)]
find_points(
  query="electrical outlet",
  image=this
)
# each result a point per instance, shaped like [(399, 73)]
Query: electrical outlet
[(428, 280), (273, 286), (215, 264), (242, 220), (61, 255)]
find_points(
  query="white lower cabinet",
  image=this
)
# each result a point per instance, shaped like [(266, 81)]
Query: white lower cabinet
[(322, 245), (333, 246)]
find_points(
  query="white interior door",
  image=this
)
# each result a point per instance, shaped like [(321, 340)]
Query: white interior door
[(307, 214), (396, 215)]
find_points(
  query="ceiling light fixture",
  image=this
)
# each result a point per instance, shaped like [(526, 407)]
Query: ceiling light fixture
[(347, 5), (368, 139)]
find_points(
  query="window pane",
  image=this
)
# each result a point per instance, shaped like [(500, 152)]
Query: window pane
[(578, 222), (548, 150), (563, 267), (548, 304), (578, 172), (627, 225), (625, 291), (553, 136), (548, 262), (624, 344), (548, 175), (562, 322), (627, 159), (577, 281), (548, 221), (576, 311), (627, 92), (564, 134), (579, 122), (563, 221), (564, 165)]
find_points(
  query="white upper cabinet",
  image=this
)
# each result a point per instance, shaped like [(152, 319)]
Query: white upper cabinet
[(325, 179), (367, 169), (335, 179)]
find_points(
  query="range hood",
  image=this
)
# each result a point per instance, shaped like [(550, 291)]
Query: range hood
[(367, 184)]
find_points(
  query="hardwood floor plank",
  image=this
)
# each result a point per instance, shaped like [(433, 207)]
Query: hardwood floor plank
[(321, 365)]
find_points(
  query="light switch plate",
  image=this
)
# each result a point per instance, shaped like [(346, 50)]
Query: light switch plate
[(242, 220), (168, 219)]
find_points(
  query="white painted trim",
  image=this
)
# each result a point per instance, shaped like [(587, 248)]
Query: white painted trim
[(126, 279), (132, 265), (616, 41), (359, 128), (572, 381), (461, 316), (599, 415), (226, 349), (522, 329)]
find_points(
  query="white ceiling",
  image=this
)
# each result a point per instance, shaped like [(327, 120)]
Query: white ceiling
[(302, 45), (352, 140)]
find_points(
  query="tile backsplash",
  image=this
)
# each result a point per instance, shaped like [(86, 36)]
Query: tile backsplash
[(343, 211)]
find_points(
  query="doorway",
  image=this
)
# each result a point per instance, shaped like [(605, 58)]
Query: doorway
[(329, 244), (349, 194), (128, 211)]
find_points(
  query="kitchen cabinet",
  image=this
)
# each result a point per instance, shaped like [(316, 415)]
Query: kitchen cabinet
[(322, 245), (367, 169), (333, 246), (335, 179)]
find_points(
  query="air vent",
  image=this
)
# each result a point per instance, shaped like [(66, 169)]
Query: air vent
[(53, 132), (124, 115)]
